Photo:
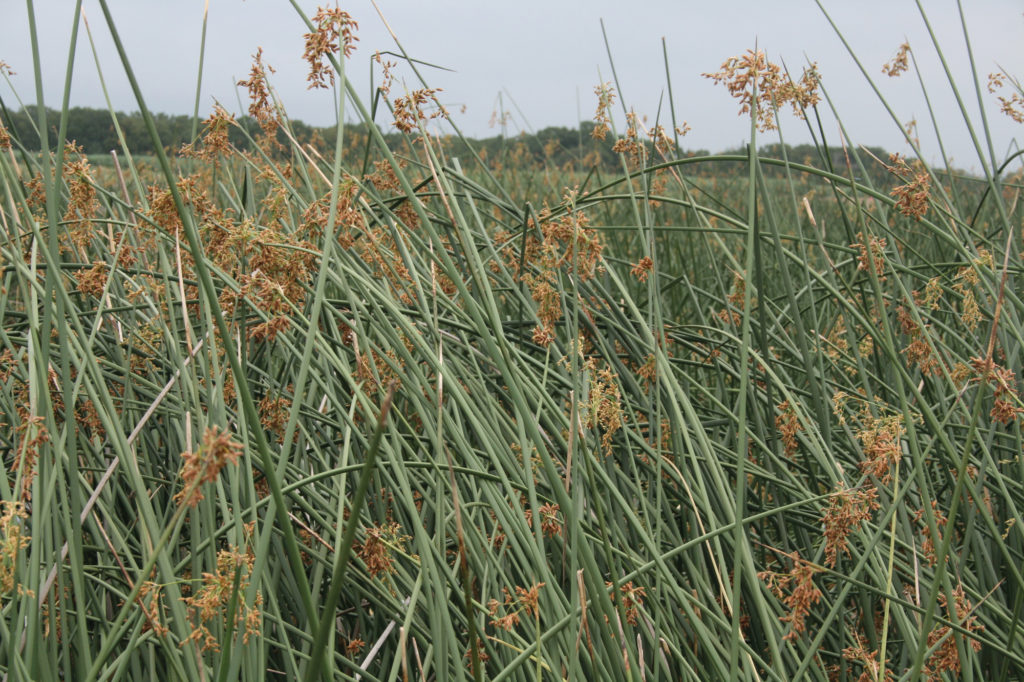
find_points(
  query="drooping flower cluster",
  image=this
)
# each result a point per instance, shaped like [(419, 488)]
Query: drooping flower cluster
[(797, 591), (205, 464), (741, 75), (847, 511), (332, 25), (211, 601)]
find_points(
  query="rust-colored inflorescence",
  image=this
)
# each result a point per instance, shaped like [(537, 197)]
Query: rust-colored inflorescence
[(203, 466), (1012, 106), (5, 137), (632, 600), (881, 441), (605, 407), (12, 540), (550, 520), (83, 204), (774, 87), (332, 25), (526, 599), (378, 545), (603, 116), (946, 658), (261, 106), (568, 244), (642, 268), (899, 63), (872, 254), (211, 601), (215, 136), (912, 196), (788, 426), (797, 591), (847, 511), (1007, 405), (412, 109), (868, 659)]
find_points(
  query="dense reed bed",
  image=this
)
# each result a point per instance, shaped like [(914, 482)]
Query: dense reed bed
[(411, 414)]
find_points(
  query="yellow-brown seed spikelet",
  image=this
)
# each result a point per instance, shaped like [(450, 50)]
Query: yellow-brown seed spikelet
[(331, 25)]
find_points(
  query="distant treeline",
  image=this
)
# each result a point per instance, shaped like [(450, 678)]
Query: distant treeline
[(93, 129), (556, 146)]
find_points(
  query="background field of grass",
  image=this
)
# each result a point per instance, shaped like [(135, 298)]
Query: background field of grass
[(414, 413)]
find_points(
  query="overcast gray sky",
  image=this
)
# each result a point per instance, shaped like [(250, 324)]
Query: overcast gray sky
[(545, 57)]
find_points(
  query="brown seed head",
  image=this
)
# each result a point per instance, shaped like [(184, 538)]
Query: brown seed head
[(797, 591), (260, 105), (847, 510), (774, 87), (899, 63), (204, 465), (332, 25)]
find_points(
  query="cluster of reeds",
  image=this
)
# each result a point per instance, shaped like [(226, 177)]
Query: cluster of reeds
[(275, 415)]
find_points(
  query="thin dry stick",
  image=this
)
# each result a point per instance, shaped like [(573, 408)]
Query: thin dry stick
[(419, 662), (311, 532), (376, 647), (48, 583), (622, 641), (814, 224), (584, 626), (124, 572), (663, 651), (303, 152)]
